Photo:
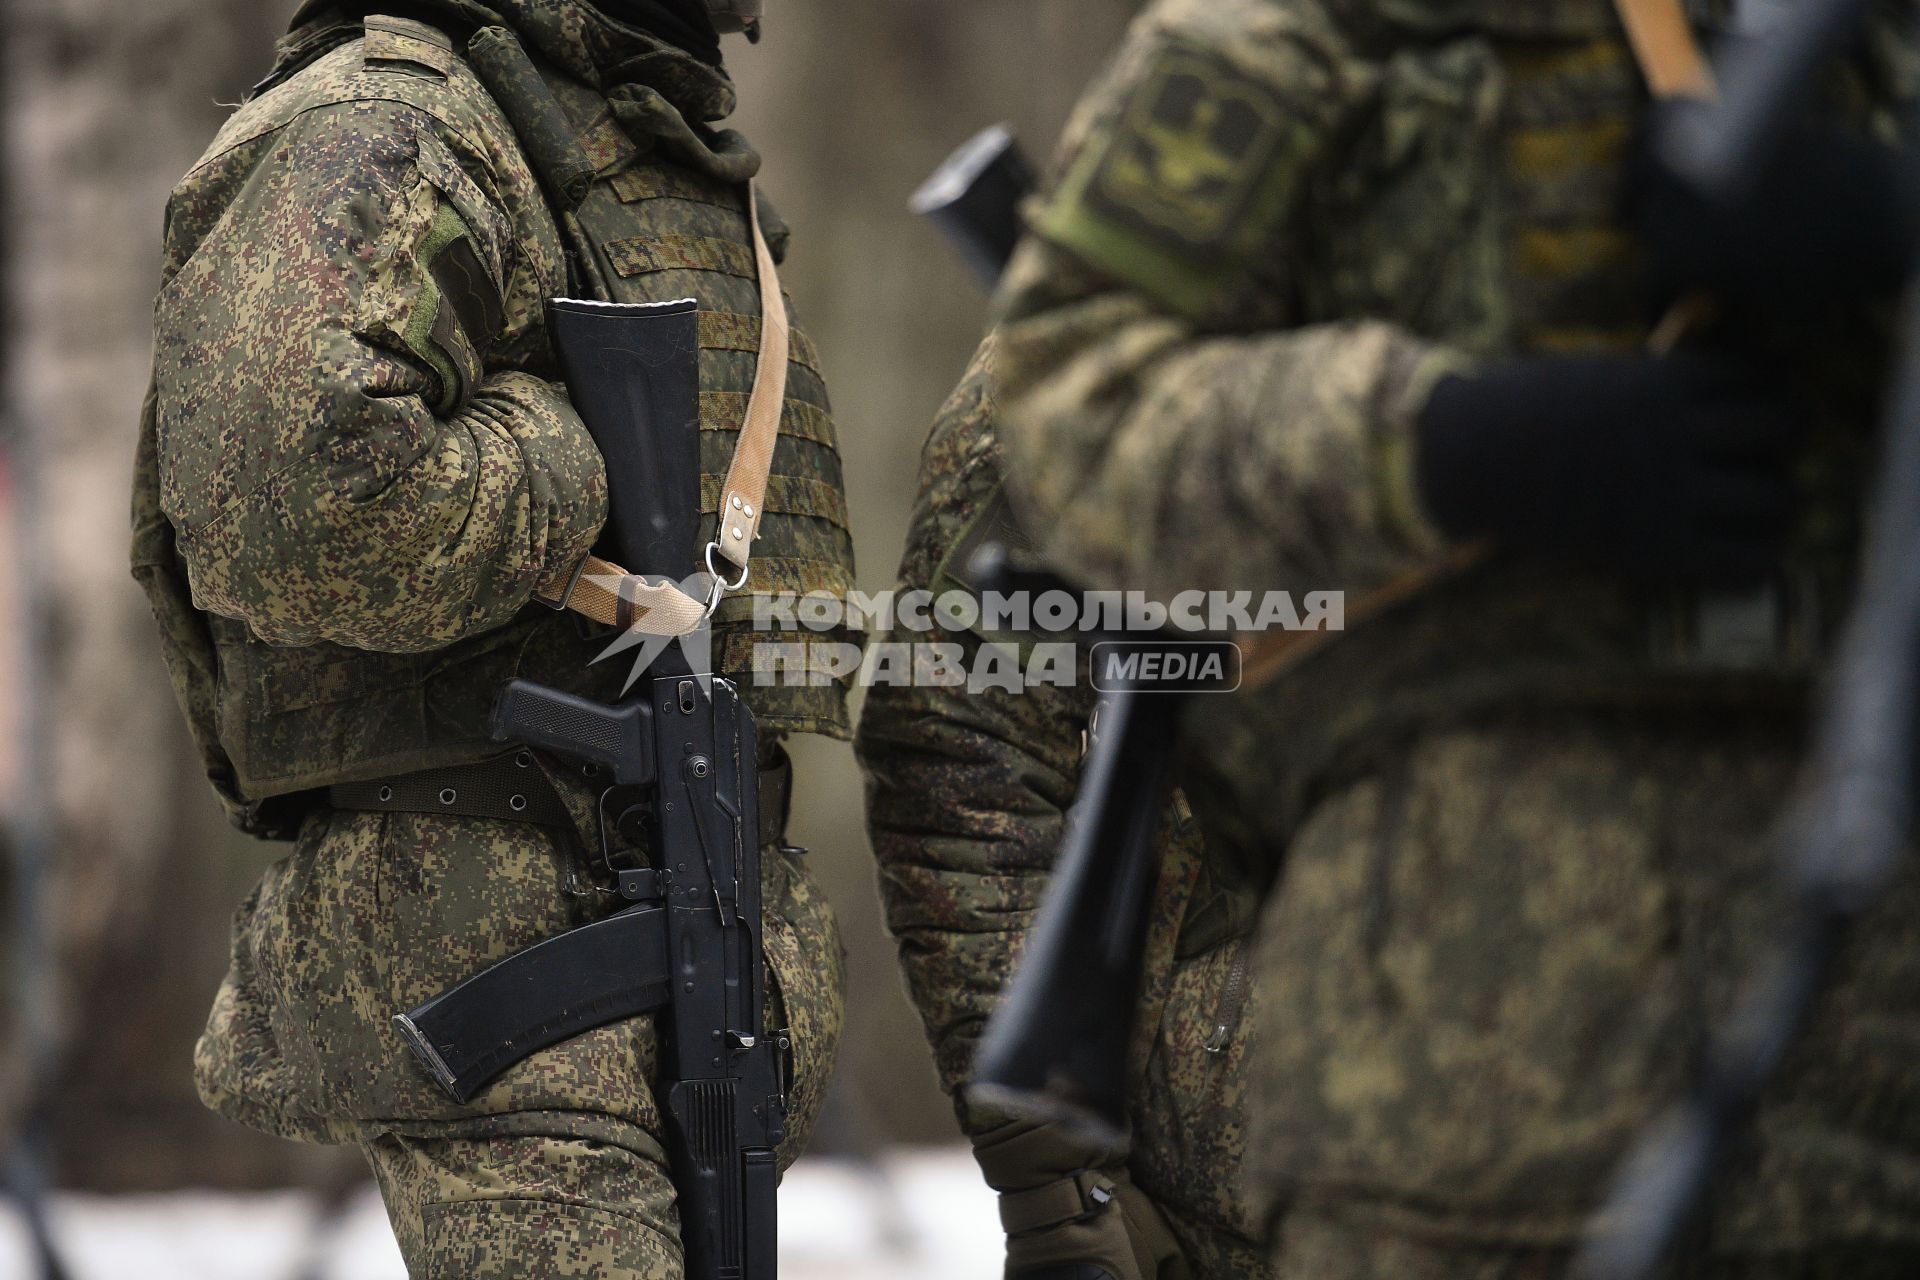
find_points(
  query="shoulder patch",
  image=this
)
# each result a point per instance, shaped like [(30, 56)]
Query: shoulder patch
[(1188, 180), (342, 78)]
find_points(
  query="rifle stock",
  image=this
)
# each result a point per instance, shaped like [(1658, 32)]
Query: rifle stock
[(1058, 1046), (974, 198), (633, 373)]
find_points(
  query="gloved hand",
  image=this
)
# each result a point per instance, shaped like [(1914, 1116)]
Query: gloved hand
[(1835, 218), (1069, 1209), (1671, 467)]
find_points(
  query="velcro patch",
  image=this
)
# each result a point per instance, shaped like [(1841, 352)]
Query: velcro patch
[(458, 310), (469, 290), (1189, 181), (645, 255), (402, 40)]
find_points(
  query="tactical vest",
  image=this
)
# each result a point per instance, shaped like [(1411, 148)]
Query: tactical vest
[(1502, 188), (653, 227), (1531, 254), (643, 220)]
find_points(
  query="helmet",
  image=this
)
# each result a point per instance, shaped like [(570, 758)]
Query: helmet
[(736, 15)]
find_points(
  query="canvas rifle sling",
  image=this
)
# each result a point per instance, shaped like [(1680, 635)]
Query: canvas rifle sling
[(607, 593)]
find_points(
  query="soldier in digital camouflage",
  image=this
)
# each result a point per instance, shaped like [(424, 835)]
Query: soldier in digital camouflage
[(358, 493), (1353, 295), (967, 793)]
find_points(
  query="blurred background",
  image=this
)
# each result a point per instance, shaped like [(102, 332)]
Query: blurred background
[(106, 103)]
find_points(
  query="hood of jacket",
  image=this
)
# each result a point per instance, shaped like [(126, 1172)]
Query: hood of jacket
[(573, 35)]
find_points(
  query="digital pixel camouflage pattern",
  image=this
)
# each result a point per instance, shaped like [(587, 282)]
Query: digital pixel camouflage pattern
[(966, 797), (1518, 817), (355, 473)]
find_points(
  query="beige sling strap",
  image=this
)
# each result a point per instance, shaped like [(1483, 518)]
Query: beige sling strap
[(1674, 67), (1665, 47), (1670, 60), (746, 482), (611, 596)]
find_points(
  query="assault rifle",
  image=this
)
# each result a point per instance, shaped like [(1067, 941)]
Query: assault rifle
[(679, 764)]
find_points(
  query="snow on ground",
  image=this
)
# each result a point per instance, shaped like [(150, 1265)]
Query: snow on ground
[(919, 1213)]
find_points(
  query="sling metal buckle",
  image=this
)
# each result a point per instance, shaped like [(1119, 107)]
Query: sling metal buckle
[(720, 584)]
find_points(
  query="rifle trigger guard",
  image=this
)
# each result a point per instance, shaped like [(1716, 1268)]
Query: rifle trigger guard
[(609, 826)]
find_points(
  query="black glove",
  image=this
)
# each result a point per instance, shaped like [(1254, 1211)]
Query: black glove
[(1832, 220), (1660, 467)]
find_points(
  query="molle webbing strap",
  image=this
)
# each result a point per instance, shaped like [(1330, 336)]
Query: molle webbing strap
[(639, 256), (724, 411), (730, 331), (611, 596), (605, 144), (786, 495), (652, 182)]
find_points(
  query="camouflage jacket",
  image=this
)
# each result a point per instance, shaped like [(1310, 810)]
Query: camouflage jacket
[(967, 793), (356, 469), (1274, 226)]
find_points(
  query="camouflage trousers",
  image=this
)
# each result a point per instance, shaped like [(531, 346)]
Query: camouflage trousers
[(1489, 958), (557, 1168)]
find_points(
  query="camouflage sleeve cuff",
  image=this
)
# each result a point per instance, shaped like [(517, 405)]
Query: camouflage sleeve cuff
[(1413, 372), (547, 449)]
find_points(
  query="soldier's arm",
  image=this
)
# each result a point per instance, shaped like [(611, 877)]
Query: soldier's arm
[(966, 792), (342, 457), (966, 800), (1175, 417)]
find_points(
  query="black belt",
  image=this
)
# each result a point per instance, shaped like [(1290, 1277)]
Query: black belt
[(511, 787)]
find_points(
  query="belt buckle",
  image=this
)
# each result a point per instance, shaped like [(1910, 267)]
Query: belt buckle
[(1777, 625)]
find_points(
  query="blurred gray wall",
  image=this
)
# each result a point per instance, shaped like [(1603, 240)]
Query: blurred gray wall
[(853, 102)]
